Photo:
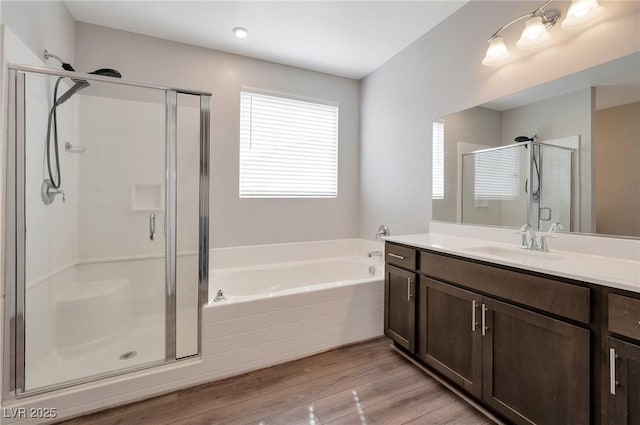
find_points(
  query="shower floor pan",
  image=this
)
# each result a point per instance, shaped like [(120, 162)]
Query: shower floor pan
[(142, 342)]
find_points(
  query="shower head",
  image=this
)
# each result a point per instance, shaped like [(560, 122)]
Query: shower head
[(82, 84), (79, 85), (107, 72), (522, 139)]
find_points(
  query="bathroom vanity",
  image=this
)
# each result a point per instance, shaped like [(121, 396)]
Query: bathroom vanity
[(532, 347)]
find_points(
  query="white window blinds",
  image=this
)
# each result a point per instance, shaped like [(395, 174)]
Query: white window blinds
[(288, 148), (437, 191), (497, 174)]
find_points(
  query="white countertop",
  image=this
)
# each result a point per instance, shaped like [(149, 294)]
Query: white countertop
[(607, 271)]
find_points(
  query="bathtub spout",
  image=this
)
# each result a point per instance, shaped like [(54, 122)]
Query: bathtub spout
[(374, 254), (219, 296)]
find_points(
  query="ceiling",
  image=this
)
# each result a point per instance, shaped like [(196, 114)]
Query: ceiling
[(345, 38)]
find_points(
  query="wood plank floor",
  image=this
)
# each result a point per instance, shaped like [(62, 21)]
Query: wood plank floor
[(362, 384)]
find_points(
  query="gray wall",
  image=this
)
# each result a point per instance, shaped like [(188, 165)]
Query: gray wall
[(476, 126), (426, 81), (236, 221), (617, 160)]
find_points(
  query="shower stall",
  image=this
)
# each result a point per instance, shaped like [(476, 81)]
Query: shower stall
[(531, 182), (107, 227)]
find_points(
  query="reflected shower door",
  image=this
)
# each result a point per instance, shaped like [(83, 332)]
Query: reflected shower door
[(556, 197), (95, 288), (494, 186)]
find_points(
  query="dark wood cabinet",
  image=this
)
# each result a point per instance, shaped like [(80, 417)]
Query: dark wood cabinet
[(449, 333), (400, 306), (535, 369), (528, 367), (623, 387), (533, 348)]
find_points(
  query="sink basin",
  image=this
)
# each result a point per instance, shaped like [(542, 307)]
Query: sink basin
[(515, 253)]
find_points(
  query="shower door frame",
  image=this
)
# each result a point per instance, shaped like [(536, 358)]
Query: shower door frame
[(529, 173), (13, 386)]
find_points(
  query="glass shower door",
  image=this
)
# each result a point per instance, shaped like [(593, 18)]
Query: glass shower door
[(94, 208), (556, 197)]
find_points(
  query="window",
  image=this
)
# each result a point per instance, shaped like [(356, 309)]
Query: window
[(437, 191), (288, 148), (497, 174)]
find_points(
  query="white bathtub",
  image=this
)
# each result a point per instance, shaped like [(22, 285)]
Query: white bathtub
[(283, 311), (249, 283)]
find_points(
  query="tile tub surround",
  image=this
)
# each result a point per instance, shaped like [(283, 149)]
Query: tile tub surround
[(294, 320), (604, 261)]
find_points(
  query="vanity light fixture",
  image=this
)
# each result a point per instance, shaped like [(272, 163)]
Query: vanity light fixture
[(534, 35), (241, 32), (497, 52), (581, 13)]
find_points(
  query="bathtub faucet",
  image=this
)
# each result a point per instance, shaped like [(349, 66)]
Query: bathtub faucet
[(374, 254), (219, 296), (382, 231)]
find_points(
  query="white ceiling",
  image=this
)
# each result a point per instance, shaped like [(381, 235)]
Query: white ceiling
[(346, 38)]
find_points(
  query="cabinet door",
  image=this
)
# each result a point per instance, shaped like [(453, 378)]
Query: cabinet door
[(624, 382), (400, 306), (449, 333), (535, 369)]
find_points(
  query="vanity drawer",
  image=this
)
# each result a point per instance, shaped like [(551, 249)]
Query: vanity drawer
[(624, 316), (400, 256), (552, 296)]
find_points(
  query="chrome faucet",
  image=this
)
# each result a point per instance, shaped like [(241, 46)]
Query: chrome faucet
[(552, 233), (529, 243), (375, 254), (382, 231), (535, 244)]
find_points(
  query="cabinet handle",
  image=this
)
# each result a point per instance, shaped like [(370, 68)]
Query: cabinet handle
[(484, 319), (409, 294), (391, 254), (474, 305), (612, 371)]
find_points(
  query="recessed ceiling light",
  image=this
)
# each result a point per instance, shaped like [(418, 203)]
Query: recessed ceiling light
[(241, 32)]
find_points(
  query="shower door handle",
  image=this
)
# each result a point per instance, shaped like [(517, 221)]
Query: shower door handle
[(152, 227)]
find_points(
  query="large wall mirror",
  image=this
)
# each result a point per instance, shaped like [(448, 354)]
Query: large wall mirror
[(564, 152)]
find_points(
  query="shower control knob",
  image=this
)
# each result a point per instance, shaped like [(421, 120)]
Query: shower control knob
[(48, 192)]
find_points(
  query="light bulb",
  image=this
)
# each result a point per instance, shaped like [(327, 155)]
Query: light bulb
[(534, 34), (497, 52), (241, 32), (581, 13)]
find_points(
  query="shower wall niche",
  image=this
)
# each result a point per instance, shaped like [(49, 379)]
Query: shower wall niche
[(111, 275)]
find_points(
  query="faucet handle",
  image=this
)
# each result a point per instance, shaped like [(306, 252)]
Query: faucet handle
[(554, 229), (529, 243), (525, 228)]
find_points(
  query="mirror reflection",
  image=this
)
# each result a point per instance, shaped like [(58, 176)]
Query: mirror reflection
[(564, 152)]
